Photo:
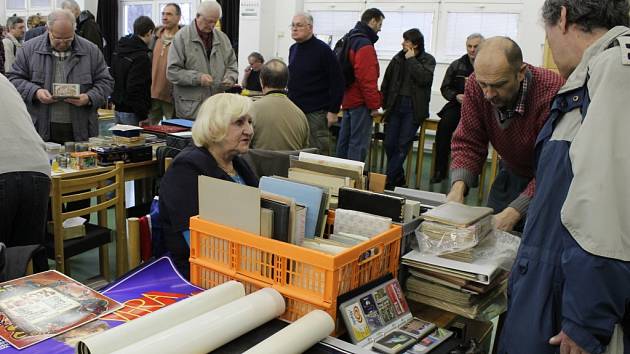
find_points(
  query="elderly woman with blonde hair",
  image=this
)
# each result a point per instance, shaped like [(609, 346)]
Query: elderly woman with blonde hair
[(221, 132)]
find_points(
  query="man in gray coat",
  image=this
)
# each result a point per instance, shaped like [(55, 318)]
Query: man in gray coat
[(61, 57), (201, 61)]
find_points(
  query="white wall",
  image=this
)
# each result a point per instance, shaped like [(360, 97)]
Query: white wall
[(267, 33), (270, 36)]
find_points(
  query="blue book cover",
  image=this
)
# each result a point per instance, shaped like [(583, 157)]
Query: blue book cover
[(186, 123), (309, 196)]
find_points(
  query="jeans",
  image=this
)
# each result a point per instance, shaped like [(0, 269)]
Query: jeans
[(24, 210), (355, 134), (400, 131), (127, 118)]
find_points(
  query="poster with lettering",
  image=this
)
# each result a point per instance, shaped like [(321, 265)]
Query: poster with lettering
[(140, 292), (39, 306)]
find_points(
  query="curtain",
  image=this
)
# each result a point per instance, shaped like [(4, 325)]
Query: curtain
[(107, 19), (229, 22)]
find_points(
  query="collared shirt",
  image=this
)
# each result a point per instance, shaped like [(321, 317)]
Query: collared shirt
[(62, 55), (509, 113), (206, 38)]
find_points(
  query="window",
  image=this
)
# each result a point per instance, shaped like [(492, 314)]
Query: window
[(461, 24), (16, 5), (152, 8), (132, 11), (395, 24), (333, 23), (187, 15), (40, 3)]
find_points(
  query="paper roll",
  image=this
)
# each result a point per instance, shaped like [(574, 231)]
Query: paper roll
[(133, 241), (211, 330), (162, 320), (297, 337)]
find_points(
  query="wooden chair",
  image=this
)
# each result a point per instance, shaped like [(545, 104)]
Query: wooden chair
[(109, 190)]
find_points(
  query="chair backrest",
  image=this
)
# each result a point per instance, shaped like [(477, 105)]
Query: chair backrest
[(106, 185), (270, 163)]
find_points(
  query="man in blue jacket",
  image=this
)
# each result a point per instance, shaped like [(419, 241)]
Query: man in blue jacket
[(570, 284)]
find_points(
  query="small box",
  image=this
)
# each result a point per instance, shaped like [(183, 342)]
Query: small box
[(82, 160), (108, 155), (69, 232)]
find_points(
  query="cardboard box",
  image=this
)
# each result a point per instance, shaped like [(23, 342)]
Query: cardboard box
[(69, 232), (82, 160)]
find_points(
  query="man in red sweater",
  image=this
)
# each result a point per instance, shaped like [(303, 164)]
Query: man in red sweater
[(506, 103), (361, 99)]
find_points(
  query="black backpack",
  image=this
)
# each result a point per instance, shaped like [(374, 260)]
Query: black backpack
[(341, 50)]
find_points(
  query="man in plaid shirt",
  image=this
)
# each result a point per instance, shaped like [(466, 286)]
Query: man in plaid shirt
[(506, 103)]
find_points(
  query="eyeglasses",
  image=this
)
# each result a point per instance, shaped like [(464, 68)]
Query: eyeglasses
[(298, 25), (61, 40)]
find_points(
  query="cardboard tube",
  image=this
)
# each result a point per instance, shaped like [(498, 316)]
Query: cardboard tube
[(133, 241), (162, 320), (213, 329), (297, 337)]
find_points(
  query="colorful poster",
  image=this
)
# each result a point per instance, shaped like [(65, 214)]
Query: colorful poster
[(142, 291), (43, 305), (384, 305)]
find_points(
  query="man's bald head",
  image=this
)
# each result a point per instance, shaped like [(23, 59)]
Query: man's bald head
[(501, 47), (499, 71), (274, 75)]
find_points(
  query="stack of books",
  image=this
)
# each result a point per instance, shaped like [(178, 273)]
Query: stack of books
[(445, 273), (452, 230), (467, 289)]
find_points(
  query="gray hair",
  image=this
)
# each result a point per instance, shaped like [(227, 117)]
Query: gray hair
[(306, 15), (475, 36), (70, 5), (60, 15), (588, 14), (13, 21), (210, 5), (215, 115)]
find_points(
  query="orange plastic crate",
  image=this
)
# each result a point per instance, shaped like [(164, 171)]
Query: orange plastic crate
[(308, 279)]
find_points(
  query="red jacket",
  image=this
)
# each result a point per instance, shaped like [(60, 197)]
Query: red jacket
[(362, 56)]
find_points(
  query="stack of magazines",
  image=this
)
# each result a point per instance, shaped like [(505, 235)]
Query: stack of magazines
[(452, 229)]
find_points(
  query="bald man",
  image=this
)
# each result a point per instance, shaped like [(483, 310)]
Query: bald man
[(278, 123), (506, 103)]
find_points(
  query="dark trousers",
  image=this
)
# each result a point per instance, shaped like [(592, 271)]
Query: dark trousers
[(24, 210), (60, 133), (400, 132), (505, 188), (449, 119)]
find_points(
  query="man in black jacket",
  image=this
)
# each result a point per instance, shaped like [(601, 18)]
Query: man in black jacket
[(86, 24), (131, 70), (453, 90)]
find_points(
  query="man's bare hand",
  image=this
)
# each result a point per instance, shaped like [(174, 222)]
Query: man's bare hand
[(206, 80), (506, 219), (567, 345), (460, 98), (332, 118), (83, 100), (458, 189), (44, 96)]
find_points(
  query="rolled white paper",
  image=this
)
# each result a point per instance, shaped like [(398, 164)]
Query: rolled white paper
[(211, 330), (297, 337), (161, 320)]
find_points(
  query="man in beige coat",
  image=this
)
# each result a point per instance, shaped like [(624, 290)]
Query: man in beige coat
[(201, 61)]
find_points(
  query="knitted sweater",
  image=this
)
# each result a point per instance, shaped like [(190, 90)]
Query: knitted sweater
[(315, 79), (515, 143)]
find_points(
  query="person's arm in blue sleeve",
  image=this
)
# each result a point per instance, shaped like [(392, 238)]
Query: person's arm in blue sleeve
[(596, 292)]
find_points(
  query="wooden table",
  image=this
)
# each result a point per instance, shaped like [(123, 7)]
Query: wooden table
[(132, 171)]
